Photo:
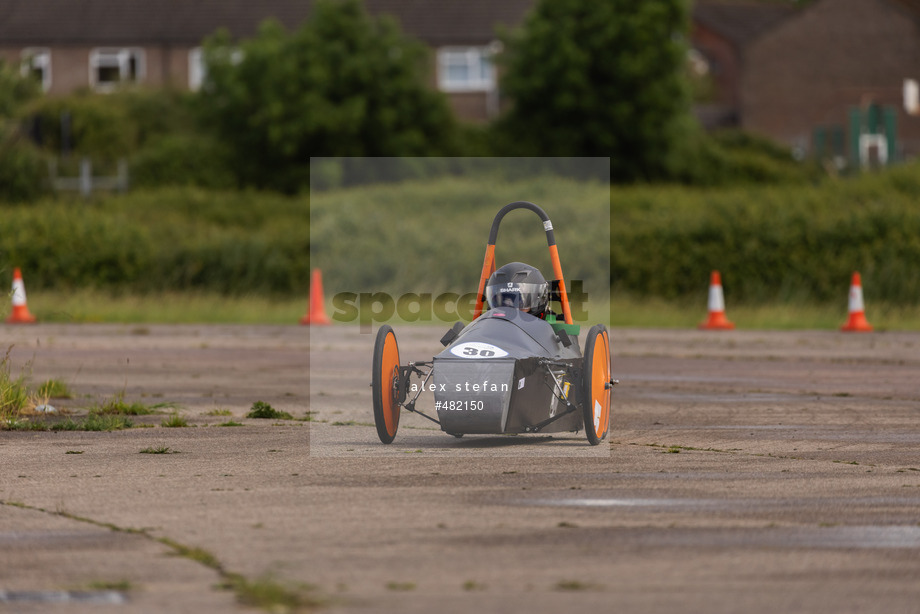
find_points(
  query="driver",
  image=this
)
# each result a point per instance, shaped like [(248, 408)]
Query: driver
[(520, 286)]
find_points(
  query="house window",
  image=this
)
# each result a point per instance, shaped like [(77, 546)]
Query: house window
[(37, 62), (465, 69), (109, 67), (196, 69)]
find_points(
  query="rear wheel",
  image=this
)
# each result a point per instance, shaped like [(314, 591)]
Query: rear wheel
[(385, 384), (596, 384)]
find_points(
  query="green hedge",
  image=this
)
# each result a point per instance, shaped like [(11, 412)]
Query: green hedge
[(772, 243), (430, 236), (23, 171), (735, 158), (172, 239), (178, 159), (106, 127)]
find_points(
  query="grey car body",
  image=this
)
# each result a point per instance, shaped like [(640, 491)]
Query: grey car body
[(508, 372)]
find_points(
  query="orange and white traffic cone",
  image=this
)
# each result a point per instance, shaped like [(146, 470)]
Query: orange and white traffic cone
[(20, 313), (716, 319), (316, 313), (857, 322)]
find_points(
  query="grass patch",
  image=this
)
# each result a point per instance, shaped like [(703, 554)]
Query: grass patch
[(351, 423), (623, 310), (14, 393), (18, 401), (401, 586), (199, 555), (627, 311), (272, 596), (219, 412), (174, 421), (55, 389), (230, 423), (264, 410), (117, 406), (574, 585), (637, 312), (94, 422), (191, 307), (158, 450), (263, 593), (676, 449), (22, 424)]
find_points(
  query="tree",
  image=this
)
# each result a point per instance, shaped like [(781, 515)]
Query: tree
[(15, 90), (343, 84), (22, 170), (600, 78)]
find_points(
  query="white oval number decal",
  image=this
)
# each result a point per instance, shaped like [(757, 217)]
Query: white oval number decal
[(477, 349)]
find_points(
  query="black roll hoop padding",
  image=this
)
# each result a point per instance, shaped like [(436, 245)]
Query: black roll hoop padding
[(521, 204)]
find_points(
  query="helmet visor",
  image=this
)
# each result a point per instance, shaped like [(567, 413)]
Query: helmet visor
[(526, 297)]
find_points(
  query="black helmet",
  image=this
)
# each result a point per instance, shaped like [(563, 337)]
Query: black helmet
[(520, 286)]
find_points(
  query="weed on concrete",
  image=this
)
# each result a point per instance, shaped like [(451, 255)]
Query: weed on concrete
[(261, 409)]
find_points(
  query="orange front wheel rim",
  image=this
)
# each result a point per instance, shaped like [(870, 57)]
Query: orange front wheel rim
[(390, 379), (385, 384), (600, 394)]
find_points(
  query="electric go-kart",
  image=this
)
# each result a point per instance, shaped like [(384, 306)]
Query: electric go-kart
[(507, 371)]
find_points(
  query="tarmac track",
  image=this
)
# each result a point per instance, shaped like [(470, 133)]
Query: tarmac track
[(746, 471)]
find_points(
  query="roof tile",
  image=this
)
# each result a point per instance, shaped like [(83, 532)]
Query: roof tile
[(183, 21), (740, 21)]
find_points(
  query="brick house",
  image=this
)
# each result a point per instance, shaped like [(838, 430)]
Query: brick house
[(98, 44), (719, 32), (790, 74), (828, 69)]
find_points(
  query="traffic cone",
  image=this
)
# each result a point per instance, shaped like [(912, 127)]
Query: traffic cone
[(716, 319), (316, 314), (857, 322), (20, 313)]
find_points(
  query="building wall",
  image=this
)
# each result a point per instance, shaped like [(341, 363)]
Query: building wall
[(168, 65), (836, 54), (70, 66), (470, 106), (724, 63), (69, 69)]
